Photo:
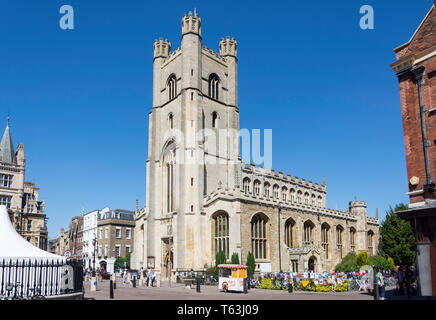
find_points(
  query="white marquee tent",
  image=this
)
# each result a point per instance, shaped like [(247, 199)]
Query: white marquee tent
[(24, 266)]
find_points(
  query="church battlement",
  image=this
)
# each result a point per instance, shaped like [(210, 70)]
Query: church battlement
[(356, 203), (285, 177), (162, 49), (213, 53), (228, 47), (191, 24)]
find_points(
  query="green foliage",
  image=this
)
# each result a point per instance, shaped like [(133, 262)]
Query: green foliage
[(235, 258), (362, 259), (119, 262), (220, 258), (397, 239), (348, 263), (251, 263), (382, 263)]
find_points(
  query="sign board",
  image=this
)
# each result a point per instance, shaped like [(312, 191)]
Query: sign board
[(265, 267), (67, 254)]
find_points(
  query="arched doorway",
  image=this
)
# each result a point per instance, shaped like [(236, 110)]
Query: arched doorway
[(311, 265), (167, 259)]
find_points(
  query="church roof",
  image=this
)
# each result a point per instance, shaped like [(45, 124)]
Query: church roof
[(7, 153)]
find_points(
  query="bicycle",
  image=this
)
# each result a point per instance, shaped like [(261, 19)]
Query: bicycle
[(9, 288), (36, 295)]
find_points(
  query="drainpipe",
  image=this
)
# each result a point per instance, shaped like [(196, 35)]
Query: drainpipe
[(419, 78)]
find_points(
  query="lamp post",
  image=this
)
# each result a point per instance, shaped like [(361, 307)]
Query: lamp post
[(94, 243)]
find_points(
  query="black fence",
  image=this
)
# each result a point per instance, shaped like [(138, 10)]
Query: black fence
[(28, 278)]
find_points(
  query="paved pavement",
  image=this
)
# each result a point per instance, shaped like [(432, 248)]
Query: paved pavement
[(178, 292)]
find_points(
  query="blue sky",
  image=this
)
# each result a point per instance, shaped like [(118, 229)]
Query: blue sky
[(79, 98)]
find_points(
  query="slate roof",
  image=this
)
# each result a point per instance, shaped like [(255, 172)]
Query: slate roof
[(7, 153)]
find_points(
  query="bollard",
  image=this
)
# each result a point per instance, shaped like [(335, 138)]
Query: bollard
[(111, 289), (290, 287), (134, 282), (93, 284), (249, 284), (245, 285), (198, 284)]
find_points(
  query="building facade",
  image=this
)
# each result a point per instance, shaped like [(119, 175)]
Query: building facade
[(75, 237), (201, 198), (89, 238), (21, 198), (416, 71), (115, 237)]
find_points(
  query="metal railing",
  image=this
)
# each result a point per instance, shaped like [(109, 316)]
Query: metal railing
[(25, 278)]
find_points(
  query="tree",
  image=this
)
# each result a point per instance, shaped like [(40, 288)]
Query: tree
[(235, 258), (381, 262), (251, 263), (220, 258), (119, 262), (397, 239), (348, 263), (362, 259)]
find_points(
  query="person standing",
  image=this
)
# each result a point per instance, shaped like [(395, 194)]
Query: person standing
[(150, 277), (333, 282), (124, 276), (381, 284)]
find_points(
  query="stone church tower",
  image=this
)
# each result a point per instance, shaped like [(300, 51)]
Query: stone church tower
[(200, 197), (194, 96)]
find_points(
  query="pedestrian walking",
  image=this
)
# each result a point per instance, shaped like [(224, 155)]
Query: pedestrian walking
[(124, 276)]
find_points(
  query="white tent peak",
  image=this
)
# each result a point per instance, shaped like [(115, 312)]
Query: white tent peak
[(12, 245)]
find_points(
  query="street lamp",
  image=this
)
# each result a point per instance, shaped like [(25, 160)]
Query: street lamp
[(94, 242)]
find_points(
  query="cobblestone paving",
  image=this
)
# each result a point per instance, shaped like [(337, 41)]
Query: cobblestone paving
[(178, 292)]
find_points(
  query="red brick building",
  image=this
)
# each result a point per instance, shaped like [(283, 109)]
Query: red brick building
[(416, 71)]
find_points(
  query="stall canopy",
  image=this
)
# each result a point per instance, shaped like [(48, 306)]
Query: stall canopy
[(12, 245)]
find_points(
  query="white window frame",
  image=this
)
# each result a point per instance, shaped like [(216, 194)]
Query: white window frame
[(118, 234)]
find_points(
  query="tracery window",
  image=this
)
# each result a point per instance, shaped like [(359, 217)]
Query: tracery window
[(290, 233), (246, 185), (325, 228), (308, 228), (339, 233), (172, 87), (259, 236), (214, 86), (221, 233)]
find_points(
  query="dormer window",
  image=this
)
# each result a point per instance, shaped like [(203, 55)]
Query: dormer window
[(172, 87), (213, 86)]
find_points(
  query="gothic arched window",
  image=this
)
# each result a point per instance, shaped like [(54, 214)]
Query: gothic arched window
[(353, 239), (213, 86), (172, 86), (256, 187), (284, 193), (325, 228), (276, 191), (259, 236), (168, 177), (308, 228), (339, 233), (220, 232), (246, 185), (266, 188), (370, 238), (290, 233)]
